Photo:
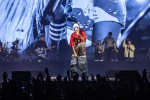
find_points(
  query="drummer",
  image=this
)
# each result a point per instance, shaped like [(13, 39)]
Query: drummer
[(2, 50), (15, 49)]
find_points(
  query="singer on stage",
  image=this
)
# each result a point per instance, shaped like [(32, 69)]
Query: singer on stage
[(129, 49), (78, 44)]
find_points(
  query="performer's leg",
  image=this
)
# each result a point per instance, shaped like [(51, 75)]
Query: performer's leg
[(95, 56), (82, 61), (131, 59), (73, 66), (112, 56), (116, 57), (101, 56), (126, 58)]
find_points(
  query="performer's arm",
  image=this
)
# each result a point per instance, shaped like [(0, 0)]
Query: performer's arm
[(45, 45), (132, 48), (103, 49), (72, 45), (124, 43), (82, 36), (74, 52), (36, 45), (116, 49)]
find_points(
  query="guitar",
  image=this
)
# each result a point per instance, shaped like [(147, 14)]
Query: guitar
[(42, 51)]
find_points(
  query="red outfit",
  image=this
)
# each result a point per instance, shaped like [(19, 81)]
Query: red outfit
[(75, 36)]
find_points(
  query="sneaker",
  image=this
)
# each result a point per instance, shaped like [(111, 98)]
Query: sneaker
[(101, 60), (116, 60), (112, 60), (131, 60), (39, 61), (96, 60)]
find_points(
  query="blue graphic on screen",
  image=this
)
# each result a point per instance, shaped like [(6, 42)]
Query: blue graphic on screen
[(26, 20)]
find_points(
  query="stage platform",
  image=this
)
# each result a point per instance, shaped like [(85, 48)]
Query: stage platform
[(56, 67)]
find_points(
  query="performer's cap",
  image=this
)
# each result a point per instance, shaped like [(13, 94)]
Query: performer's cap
[(110, 33), (42, 35), (76, 25)]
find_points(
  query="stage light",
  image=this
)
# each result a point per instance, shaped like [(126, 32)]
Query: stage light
[(142, 1), (136, 3), (145, 37)]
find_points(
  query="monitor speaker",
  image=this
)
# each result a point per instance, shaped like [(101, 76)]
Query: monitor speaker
[(128, 75), (21, 76)]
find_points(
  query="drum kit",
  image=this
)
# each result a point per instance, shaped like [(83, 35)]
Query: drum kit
[(9, 54)]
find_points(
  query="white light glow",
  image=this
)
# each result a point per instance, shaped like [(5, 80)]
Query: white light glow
[(18, 15), (141, 1)]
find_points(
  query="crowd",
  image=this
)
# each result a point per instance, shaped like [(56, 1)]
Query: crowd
[(73, 88)]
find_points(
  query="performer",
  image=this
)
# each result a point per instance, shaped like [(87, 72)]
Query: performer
[(129, 49), (99, 50), (15, 49), (114, 52), (108, 41), (41, 43), (78, 44), (2, 51), (40, 48), (1, 46), (148, 54)]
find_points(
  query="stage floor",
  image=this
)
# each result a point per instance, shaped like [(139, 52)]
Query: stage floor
[(60, 67)]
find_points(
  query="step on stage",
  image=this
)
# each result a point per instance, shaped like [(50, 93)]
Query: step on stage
[(55, 67)]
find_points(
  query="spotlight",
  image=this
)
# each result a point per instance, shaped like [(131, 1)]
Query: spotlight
[(141, 1)]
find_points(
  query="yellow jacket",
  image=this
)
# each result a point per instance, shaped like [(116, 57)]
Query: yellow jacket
[(128, 52)]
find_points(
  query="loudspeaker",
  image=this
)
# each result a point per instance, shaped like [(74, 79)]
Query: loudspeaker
[(21, 76), (111, 73), (128, 75), (124, 75), (36, 73)]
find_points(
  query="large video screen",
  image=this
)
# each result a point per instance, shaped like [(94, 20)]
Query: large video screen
[(27, 20)]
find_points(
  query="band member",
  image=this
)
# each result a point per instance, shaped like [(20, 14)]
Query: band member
[(129, 49), (99, 50), (15, 49), (2, 51), (40, 48), (114, 52), (78, 44), (148, 54), (1, 46), (41, 43), (108, 42)]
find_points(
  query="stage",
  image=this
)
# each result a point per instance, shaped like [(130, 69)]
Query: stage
[(60, 67)]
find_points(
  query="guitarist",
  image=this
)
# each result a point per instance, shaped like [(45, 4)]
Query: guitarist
[(41, 47), (41, 43)]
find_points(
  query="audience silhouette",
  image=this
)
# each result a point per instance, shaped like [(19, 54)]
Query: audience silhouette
[(97, 87)]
